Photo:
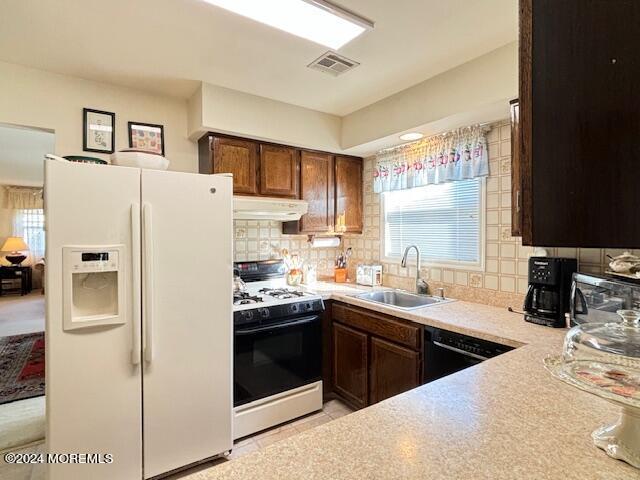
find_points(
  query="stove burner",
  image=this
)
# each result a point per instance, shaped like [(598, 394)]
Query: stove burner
[(282, 293), (243, 298)]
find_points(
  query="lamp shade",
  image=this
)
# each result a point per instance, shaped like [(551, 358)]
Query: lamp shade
[(14, 244)]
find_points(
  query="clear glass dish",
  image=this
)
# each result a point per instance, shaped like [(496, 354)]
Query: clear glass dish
[(604, 359)]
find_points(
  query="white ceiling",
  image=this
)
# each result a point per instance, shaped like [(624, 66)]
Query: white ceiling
[(168, 46)]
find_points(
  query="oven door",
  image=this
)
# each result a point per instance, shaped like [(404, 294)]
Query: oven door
[(275, 358)]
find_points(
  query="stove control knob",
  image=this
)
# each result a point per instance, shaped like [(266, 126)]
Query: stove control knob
[(248, 314), (264, 312), (294, 308), (308, 306)]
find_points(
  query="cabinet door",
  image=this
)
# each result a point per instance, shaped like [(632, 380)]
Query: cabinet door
[(238, 157), (516, 171), (350, 362), (316, 187), (278, 171), (348, 173), (394, 369), (580, 123)]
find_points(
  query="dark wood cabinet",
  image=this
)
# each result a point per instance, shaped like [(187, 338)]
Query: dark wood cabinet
[(330, 184), (278, 171), (374, 356), (516, 171), (350, 365), (579, 104), (238, 157), (316, 187), (394, 369), (348, 178)]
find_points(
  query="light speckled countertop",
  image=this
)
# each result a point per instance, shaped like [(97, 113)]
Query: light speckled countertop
[(505, 418)]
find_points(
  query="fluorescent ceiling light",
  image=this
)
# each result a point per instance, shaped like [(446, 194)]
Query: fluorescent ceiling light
[(315, 20), (411, 136)]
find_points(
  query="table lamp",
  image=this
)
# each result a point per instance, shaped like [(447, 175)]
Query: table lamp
[(14, 245)]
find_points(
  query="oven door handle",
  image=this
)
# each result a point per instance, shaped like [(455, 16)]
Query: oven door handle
[(278, 326), (459, 350)]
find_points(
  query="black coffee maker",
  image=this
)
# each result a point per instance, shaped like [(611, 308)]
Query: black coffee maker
[(547, 299)]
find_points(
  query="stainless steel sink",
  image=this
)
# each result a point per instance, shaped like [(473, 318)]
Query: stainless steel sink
[(400, 299)]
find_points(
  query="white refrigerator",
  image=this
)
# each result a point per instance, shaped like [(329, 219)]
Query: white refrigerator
[(139, 337)]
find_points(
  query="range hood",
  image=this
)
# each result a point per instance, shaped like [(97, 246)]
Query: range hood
[(267, 208)]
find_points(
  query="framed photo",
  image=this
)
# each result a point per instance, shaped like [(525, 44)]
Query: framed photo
[(98, 131), (147, 137)]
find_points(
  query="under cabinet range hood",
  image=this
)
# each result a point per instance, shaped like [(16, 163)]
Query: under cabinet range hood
[(267, 208)]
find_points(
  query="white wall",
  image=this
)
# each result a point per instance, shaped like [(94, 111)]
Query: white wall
[(472, 86), (22, 152), (224, 110), (36, 98)]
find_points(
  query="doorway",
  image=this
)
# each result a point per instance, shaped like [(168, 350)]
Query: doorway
[(22, 295)]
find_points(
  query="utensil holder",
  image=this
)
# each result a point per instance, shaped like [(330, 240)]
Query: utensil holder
[(340, 275)]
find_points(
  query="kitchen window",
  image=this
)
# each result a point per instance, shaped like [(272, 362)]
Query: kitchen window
[(445, 221)]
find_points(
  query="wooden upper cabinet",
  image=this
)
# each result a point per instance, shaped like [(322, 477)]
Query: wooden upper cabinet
[(238, 157), (278, 171), (316, 187), (394, 369), (348, 180), (579, 119), (516, 171)]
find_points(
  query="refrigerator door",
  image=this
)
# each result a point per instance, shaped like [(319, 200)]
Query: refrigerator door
[(187, 318), (93, 375)]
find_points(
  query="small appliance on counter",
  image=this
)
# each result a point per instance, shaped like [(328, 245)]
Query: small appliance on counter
[(547, 299), (370, 275), (596, 299)]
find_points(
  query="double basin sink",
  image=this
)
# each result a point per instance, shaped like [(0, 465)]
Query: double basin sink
[(400, 299)]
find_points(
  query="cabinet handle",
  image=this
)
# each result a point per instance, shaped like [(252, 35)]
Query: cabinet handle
[(518, 201)]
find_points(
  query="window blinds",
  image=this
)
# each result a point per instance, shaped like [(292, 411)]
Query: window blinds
[(443, 220)]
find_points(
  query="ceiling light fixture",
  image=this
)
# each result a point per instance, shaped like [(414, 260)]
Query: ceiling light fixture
[(315, 20), (411, 136)]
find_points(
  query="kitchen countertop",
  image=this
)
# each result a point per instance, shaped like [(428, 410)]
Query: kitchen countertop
[(505, 418)]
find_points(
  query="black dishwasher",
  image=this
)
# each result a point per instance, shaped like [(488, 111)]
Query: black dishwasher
[(447, 352)]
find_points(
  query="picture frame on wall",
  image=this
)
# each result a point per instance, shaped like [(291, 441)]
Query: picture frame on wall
[(98, 131), (146, 136)]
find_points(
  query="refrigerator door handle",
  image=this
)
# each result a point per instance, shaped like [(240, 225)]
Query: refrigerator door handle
[(147, 282), (137, 292)]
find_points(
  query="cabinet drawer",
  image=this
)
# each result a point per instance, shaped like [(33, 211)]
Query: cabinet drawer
[(379, 325)]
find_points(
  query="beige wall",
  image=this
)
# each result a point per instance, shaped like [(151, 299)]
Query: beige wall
[(504, 279), (36, 98), (472, 86), (219, 109)]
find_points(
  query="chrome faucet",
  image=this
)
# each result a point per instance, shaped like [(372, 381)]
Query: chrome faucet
[(421, 286)]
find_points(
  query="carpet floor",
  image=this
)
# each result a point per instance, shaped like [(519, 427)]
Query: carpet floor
[(21, 367)]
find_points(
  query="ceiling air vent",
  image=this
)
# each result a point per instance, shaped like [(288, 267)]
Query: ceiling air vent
[(333, 64)]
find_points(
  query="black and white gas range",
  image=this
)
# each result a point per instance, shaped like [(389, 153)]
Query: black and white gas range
[(277, 349)]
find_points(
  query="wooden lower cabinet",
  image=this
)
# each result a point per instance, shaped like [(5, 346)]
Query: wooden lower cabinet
[(350, 365), (367, 368), (394, 369)]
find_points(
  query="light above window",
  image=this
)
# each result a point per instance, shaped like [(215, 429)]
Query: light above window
[(315, 20), (411, 136)]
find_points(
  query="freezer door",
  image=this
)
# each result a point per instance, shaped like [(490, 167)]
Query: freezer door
[(187, 319), (93, 384)]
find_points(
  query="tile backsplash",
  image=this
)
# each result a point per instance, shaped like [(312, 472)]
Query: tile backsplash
[(503, 281), (263, 240)]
